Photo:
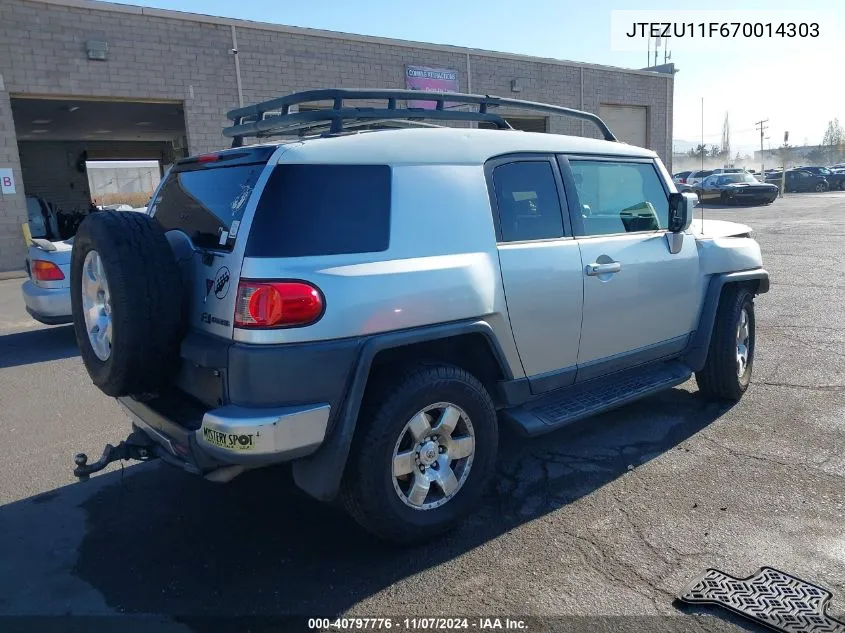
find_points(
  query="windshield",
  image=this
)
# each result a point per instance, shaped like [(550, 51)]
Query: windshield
[(726, 179)]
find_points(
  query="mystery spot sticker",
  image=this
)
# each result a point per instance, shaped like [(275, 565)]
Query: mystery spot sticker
[(221, 283), (233, 441)]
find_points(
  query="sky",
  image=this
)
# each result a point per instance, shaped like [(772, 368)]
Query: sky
[(798, 86)]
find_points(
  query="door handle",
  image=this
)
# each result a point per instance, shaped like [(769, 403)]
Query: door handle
[(603, 269)]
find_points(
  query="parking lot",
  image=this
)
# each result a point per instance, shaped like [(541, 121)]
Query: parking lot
[(610, 517)]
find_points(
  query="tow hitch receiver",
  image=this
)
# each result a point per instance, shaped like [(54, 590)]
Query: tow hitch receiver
[(137, 446)]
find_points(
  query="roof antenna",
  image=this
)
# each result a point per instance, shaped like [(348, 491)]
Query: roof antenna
[(700, 201)]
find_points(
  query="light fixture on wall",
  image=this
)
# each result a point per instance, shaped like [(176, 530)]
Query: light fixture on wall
[(516, 85), (97, 50)]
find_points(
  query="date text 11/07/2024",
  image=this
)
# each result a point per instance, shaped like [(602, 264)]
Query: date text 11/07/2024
[(723, 29), (416, 624)]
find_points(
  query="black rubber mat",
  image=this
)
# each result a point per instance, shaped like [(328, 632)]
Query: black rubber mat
[(770, 597)]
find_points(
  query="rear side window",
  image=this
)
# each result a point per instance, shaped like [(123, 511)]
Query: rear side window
[(204, 203), (322, 210), (527, 200)]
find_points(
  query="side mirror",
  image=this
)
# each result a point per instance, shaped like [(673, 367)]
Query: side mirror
[(681, 210)]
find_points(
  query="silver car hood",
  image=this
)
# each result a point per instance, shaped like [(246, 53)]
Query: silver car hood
[(718, 228)]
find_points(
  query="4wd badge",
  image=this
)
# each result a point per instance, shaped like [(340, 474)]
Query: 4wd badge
[(221, 283)]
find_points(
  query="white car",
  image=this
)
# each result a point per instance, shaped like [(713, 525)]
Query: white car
[(730, 170), (46, 292), (697, 176)]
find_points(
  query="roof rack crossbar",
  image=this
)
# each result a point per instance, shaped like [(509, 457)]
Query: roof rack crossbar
[(251, 121)]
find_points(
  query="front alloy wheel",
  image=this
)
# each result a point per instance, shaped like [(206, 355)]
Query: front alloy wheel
[(743, 344), (730, 359)]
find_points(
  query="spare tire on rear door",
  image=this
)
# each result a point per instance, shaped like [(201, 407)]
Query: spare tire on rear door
[(126, 295)]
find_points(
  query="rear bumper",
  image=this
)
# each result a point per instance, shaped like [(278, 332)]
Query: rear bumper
[(232, 435), (47, 305)]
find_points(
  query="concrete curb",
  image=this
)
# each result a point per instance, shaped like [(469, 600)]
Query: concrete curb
[(13, 274)]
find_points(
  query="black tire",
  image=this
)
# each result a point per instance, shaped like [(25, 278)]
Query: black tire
[(719, 379), (368, 493), (146, 301)]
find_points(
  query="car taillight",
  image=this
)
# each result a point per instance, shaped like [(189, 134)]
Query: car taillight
[(683, 181), (268, 304), (46, 271)]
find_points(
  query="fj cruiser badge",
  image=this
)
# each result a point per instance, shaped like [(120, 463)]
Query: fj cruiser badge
[(221, 283)]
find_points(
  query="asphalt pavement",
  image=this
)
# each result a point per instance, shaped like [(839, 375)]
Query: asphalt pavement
[(610, 517)]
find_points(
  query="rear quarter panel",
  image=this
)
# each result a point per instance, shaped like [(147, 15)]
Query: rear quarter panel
[(441, 266)]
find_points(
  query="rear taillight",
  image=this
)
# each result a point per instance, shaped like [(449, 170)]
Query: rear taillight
[(267, 304), (683, 181), (46, 271)]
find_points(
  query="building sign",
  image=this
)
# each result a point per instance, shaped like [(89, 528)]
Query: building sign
[(7, 181), (430, 80)]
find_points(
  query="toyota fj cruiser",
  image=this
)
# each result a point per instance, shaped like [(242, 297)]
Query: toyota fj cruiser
[(371, 304)]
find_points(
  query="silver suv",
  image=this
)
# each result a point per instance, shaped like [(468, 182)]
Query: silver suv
[(372, 304)]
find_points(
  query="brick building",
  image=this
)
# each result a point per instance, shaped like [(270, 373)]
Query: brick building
[(168, 78)]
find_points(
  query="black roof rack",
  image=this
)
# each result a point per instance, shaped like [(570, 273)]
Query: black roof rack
[(274, 118)]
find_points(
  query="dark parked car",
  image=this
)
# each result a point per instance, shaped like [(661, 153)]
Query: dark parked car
[(834, 179), (738, 187), (800, 180)]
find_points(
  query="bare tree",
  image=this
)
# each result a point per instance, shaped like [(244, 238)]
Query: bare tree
[(834, 135), (726, 137), (834, 140)]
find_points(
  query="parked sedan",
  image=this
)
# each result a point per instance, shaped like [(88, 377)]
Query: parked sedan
[(47, 291), (681, 177), (697, 176), (735, 188), (800, 180), (834, 179)]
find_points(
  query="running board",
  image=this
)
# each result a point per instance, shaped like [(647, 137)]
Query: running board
[(570, 404)]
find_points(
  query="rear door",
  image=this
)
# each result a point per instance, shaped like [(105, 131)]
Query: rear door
[(541, 267), (640, 300), (202, 203)]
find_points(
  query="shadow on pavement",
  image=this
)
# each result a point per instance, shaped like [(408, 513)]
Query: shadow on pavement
[(158, 541), (37, 346)]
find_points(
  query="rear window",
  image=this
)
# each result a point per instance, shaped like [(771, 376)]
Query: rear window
[(203, 203), (322, 210)]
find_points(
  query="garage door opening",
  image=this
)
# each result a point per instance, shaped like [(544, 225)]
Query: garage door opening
[(122, 185), (80, 154)]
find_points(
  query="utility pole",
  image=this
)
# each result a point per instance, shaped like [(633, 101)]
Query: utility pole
[(656, 49), (783, 157), (702, 133), (762, 125)]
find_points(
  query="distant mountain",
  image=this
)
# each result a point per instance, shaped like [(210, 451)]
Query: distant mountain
[(680, 146)]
